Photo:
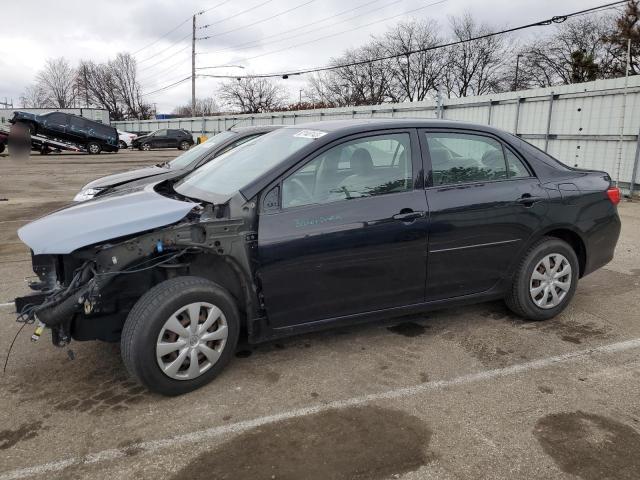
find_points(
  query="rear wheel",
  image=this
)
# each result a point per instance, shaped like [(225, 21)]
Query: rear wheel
[(94, 148), (545, 281), (184, 145), (122, 145), (180, 335)]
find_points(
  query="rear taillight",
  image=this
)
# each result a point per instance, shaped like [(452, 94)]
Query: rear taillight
[(614, 195)]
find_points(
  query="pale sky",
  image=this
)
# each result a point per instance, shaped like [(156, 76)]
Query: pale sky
[(33, 30)]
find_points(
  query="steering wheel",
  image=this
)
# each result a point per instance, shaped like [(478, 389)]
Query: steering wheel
[(297, 182)]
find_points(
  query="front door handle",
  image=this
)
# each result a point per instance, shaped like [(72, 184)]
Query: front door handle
[(528, 200), (408, 216)]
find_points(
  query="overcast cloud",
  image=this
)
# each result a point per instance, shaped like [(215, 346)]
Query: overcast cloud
[(32, 31)]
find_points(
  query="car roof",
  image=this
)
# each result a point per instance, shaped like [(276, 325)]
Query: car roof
[(255, 129), (357, 125)]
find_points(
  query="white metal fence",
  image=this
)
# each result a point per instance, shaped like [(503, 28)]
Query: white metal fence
[(592, 125)]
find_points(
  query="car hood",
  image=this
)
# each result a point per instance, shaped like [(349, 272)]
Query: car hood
[(124, 177), (135, 184), (102, 219), (141, 137)]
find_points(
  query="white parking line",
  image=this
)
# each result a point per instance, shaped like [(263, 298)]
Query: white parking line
[(8, 304), (197, 436)]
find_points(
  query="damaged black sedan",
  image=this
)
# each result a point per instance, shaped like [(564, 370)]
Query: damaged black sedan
[(311, 227)]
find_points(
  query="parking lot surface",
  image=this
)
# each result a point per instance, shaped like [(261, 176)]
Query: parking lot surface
[(470, 392)]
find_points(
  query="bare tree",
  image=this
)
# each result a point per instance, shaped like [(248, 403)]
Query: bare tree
[(626, 27), (34, 97), (356, 81), (576, 52), (124, 73), (204, 107), (413, 76), (57, 80), (100, 88), (252, 95), (113, 86), (474, 67)]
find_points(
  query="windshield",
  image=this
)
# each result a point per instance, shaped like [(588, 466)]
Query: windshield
[(183, 161), (237, 168)]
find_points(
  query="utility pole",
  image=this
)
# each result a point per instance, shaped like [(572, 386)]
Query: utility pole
[(193, 68), (515, 82)]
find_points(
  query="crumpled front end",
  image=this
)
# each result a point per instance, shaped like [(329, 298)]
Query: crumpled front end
[(86, 294)]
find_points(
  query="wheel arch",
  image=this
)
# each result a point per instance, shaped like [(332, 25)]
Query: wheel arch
[(569, 235), (226, 272)]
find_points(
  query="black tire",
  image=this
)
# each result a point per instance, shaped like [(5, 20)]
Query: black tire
[(145, 147), (122, 145), (184, 145), (94, 148), (147, 318), (1, 147), (518, 298)]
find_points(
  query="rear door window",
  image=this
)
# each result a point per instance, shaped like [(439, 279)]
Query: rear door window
[(465, 158)]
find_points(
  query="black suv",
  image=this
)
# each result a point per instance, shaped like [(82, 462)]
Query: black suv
[(165, 138), (92, 136)]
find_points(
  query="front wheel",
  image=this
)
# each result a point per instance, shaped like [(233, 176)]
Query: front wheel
[(146, 147), (180, 335), (184, 145), (545, 280)]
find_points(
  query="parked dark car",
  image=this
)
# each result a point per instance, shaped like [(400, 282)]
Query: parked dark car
[(4, 138), (179, 166), (94, 137), (165, 138), (315, 226)]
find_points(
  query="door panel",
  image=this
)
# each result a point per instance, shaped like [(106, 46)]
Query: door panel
[(483, 211), (477, 232), (56, 125), (352, 236), (342, 258)]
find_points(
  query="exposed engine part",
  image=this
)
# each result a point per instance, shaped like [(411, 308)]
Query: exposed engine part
[(38, 332)]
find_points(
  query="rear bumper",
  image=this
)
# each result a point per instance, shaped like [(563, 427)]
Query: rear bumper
[(601, 243)]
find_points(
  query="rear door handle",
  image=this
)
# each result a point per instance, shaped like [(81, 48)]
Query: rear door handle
[(528, 200), (408, 216)]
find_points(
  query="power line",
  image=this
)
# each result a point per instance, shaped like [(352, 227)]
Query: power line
[(253, 43), (155, 55), (555, 19), (546, 22), (333, 34), (202, 12), (178, 26), (234, 15), (161, 37), (257, 22), (166, 87), (164, 70)]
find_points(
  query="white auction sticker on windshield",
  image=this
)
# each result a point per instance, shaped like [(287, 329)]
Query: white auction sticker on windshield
[(310, 134)]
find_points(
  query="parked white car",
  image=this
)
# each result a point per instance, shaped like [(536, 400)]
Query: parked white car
[(125, 139)]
